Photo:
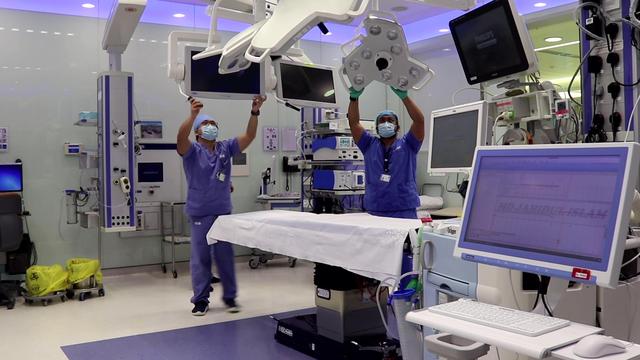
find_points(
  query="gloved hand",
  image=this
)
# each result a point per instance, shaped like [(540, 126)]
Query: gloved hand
[(402, 94), (354, 94)]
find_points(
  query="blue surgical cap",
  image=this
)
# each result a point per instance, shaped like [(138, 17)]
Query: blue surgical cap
[(199, 120), (386, 113)]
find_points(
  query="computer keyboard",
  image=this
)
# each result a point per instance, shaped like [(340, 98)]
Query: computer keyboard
[(498, 317)]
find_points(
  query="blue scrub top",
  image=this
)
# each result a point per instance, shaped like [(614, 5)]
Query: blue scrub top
[(209, 178), (400, 193)]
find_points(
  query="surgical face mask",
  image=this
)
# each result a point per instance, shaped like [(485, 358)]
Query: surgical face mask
[(386, 129), (209, 132)]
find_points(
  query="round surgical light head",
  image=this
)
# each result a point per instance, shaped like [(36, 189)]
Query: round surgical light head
[(403, 81), (354, 65), (358, 79), (386, 75), (392, 35), (367, 54), (375, 30), (396, 49)]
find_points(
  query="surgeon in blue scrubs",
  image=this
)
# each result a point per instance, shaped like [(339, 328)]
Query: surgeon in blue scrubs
[(207, 165), (390, 159)]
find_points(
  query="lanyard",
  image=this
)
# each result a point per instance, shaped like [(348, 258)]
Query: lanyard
[(386, 155)]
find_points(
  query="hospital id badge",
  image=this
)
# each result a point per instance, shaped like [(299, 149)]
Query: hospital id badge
[(385, 178), (221, 177)]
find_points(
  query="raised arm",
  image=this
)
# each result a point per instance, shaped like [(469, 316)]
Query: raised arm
[(245, 139), (185, 128), (354, 115), (417, 127)]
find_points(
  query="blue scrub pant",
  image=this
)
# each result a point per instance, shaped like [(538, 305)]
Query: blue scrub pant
[(201, 255), (399, 214)]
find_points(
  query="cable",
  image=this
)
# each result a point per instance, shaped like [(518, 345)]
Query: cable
[(576, 16), (544, 302), (595, 92), (535, 303), (575, 74), (182, 91), (631, 260), (620, 83), (513, 290), (635, 107), (455, 94)]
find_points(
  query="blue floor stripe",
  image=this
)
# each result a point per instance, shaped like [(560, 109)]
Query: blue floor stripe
[(233, 340)]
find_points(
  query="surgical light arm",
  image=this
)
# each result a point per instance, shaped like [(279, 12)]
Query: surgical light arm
[(294, 18), (123, 20), (247, 11), (451, 4), (176, 70)]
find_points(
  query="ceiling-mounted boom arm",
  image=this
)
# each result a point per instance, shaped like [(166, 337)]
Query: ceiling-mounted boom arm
[(123, 20)]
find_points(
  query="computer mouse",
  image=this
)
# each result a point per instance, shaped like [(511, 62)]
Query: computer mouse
[(596, 346)]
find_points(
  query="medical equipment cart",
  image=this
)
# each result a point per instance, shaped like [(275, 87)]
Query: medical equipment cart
[(173, 227)]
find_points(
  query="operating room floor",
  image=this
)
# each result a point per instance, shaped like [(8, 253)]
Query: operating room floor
[(142, 303)]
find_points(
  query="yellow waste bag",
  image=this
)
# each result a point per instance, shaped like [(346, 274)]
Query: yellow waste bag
[(45, 280), (81, 269)]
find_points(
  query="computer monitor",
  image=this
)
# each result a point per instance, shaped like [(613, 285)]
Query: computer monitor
[(455, 133), (203, 80), (555, 210), (493, 43), (150, 172), (306, 84), (11, 177)]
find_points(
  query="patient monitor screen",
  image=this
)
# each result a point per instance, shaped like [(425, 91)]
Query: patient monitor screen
[(488, 43), (307, 83), (150, 172), (205, 77), (10, 177), (558, 209), (454, 140)]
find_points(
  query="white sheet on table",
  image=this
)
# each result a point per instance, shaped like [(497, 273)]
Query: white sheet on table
[(364, 244)]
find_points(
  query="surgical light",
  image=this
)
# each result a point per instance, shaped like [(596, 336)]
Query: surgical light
[(179, 15), (88, 6), (382, 54), (540, 5)]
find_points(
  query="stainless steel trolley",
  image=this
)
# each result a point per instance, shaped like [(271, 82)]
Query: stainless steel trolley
[(175, 231)]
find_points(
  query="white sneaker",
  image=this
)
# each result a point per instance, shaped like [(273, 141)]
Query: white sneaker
[(232, 306), (200, 308)]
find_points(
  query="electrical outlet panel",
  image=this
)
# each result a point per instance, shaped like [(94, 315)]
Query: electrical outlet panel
[(270, 139)]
